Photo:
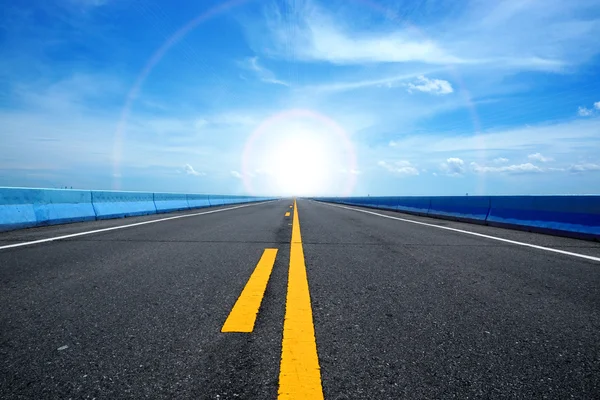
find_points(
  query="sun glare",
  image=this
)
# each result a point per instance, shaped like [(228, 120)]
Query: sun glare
[(299, 156), (300, 165)]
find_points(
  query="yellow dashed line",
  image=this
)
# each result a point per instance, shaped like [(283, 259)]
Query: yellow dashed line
[(243, 314), (299, 374)]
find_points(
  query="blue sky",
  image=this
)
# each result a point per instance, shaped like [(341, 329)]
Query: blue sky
[(416, 97)]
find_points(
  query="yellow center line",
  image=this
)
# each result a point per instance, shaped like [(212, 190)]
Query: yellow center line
[(299, 374), (243, 314), (287, 214)]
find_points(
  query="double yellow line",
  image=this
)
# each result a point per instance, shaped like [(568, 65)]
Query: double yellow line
[(299, 373)]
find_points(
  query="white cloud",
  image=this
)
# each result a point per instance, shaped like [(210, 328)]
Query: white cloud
[(539, 157), (386, 82), (191, 171), (350, 171), (318, 36), (512, 169), (453, 166), (200, 123), (584, 112), (588, 112), (575, 136), (264, 74), (500, 160), (400, 167), (236, 174), (584, 167), (481, 33), (435, 86)]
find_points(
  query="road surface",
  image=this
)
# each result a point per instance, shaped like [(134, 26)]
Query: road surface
[(385, 307)]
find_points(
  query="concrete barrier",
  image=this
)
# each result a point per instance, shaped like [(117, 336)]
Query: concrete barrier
[(461, 208), (372, 201), (27, 207), (23, 207), (62, 206), (388, 203), (577, 216), (167, 202), (238, 199), (16, 208), (215, 200), (414, 204), (198, 200), (113, 204)]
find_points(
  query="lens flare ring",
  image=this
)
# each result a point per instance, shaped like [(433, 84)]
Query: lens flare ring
[(222, 8)]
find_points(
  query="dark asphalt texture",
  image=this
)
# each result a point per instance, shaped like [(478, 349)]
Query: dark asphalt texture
[(401, 311)]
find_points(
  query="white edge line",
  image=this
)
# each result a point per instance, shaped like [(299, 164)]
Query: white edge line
[(535, 246), (113, 228)]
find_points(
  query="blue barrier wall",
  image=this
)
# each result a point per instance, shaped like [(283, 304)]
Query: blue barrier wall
[(112, 204), (22, 207), (16, 208), (215, 200), (198, 200), (576, 216), (552, 213), (62, 206), (468, 208), (167, 202), (417, 205), (29, 207)]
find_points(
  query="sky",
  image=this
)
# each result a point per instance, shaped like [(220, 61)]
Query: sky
[(302, 97)]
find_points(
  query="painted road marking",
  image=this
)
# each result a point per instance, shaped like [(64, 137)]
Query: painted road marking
[(52, 239), (535, 246), (243, 314), (287, 214), (299, 374)]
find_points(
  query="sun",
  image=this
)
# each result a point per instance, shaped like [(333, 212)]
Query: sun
[(299, 154), (301, 165)]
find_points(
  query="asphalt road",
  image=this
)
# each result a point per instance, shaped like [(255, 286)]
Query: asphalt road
[(400, 310)]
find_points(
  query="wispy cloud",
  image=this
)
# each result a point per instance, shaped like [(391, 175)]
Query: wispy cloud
[(539, 157), (588, 112), (350, 171), (586, 167), (453, 166), (237, 175), (500, 160), (399, 167), (585, 112), (88, 3), (434, 86), (512, 169), (319, 37), (385, 82), (264, 74), (570, 136), (191, 171), (484, 33)]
